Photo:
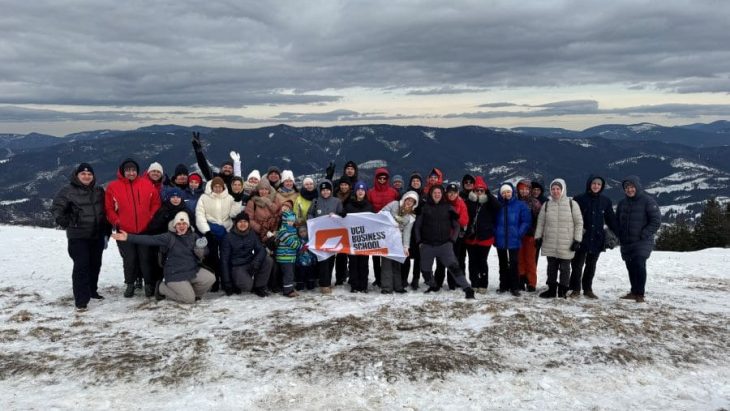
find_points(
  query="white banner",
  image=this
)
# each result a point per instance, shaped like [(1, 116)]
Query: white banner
[(357, 234)]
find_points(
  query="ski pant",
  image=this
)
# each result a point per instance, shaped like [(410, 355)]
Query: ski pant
[(341, 268), (358, 272), (478, 268), (445, 254), (527, 260), (637, 273), (305, 276), (136, 258), (441, 270), (287, 277), (580, 275), (187, 291), (555, 263), (324, 271), (390, 278), (86, 256), (376, 269), (508, 270), (414, 253), (275, 276), (245, 279)]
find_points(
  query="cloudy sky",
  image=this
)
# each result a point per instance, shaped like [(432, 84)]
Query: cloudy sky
[(67, 66)]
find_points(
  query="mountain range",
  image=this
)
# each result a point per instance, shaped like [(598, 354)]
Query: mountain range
[(682, 166)]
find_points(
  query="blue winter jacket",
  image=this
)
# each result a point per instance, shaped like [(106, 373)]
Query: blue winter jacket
[(513, 221)]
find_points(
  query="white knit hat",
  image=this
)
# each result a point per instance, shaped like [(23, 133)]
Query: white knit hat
[(308, 180), (155, 166), (287, 175), (505, 187), (255, 174), (181, 216)]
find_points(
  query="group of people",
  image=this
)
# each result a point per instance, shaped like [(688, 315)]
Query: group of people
[(191, 233)]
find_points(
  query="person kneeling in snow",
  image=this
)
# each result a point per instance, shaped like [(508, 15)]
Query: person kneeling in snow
[(184, 280)]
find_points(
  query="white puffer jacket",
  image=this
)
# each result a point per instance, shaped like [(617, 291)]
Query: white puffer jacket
[(559, 225), (216, 208)]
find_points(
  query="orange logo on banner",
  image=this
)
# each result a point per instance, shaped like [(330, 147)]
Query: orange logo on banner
[(332, 239)]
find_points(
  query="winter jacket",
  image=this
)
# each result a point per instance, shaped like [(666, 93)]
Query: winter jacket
[(638, 220), (164, 214), (461, 210), (302, 204), (263, 214), (405, 222), (216, 208), (512, 223), (437, 224), (483, 211), (324, 206), (533, 204), (288, 242), (130, 205), (559, 224), (240, 248), (182, 261), (381, 193), (464, 193), (79, 209), (597, 210), (355, 206)]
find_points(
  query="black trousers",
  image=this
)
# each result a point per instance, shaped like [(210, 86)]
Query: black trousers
[(341, 268), (508, 273), (376, 269), (415, 256), (305, 276), (213, 261), (358, 272), (580, 274), (324, 271), (555, 264), (637, 274), (440, 273), (136, 258), (478, 268), (86, 255)]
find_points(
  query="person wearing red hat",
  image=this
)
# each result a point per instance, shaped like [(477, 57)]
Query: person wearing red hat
[(482, 208)]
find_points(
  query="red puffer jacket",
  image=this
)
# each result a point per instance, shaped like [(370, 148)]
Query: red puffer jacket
[(382, 193), (130, 205), (460, 207)]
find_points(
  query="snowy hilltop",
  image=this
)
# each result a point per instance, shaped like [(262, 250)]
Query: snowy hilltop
[(363, 351)]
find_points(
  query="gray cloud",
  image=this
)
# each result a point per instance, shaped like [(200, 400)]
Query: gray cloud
[(196, 53), (498, 105), (445, 90), (338, 115), (9, 114)]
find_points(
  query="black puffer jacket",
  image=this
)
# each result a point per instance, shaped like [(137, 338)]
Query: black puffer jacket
[(164, 214), (482, 213), (354, 206), (79, 209), (239, 249), (597, 210), (181, 263), (638, 220), (437, 224)]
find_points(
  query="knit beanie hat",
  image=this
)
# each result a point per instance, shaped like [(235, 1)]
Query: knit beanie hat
[(217, 181), (504, 188), (398, 177), (307, 180), (84, 167), (325, 185), (180, 169), (274, 169), (254, 174), (288, 203), (181, 216), (452, 187), (360, 185), (195, 177), (240, 216), (479, 183), (155, 167), (287, 175), (174, 192)]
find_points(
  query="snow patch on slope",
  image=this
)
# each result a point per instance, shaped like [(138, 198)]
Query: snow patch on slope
[(372, 164)]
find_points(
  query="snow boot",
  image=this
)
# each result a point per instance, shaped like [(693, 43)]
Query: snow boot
[(640, 299), (129, 291), (515, 292), (325, 290), (574, 294), (531, 289), (149, 290), (97, 296), (138, 284), (432, 289), (629, 296), (589, 294), (563, 292), (550, 292), (469, 293), (158, 295), (260, 291)]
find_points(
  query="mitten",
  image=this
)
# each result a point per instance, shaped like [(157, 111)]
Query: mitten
[(575, 246)]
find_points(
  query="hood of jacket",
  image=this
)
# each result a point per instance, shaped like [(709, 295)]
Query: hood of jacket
[(120, 171), (564, 193), (378, 185), (635, 181), (590, 180)]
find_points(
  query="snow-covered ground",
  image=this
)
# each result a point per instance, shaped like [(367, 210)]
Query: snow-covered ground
[(354, 351)]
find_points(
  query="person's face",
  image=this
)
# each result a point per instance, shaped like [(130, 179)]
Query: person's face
[(451, 195), (325, 192), (217, 188), (416, 183), (382, 179), (344, 188), (437, 195), (524, 191), (274, 177), (630, 190), (309, 185), (253, 180), (507, 195), (398, 184), (85, 177), (175, 200), (289, 184), (536, 192), (130, 173), (468, 185), (350, 171), (236, 186), (242, 225), (181, 179), (596, 186), (409, 203), (263, 192), (360, 194), (194, 184), (155, 175), (181, 227), (555, 192), (433, 179), (227, 170), (285, 208)]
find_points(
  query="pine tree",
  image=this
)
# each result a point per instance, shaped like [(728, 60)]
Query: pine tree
[(677, 236), (710, 230)]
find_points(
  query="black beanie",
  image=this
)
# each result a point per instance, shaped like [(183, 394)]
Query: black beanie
[(240, 216), (227, 163), (84, 167), (180, 169)]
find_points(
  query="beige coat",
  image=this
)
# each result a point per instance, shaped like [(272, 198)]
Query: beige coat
[(216, 208), (559, 225)]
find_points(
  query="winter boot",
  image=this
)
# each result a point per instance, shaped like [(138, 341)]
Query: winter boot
[(574, 294), (291, 294), (261, 292), (401, 291), (325, 290), (563, 292), (629, 296), (95, 295), (158, 295), (515, 292), (640, 299), (129, 291), (432, 289), (469, 293), (215, 287), (589, 294), (138, 284), (149, 290), (530, 289), (550, 292)]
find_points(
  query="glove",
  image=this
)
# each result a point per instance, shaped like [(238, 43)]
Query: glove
[(269, 234), (106, 241), (235, 156), (201, 242), (538, 242), (330, 171), (196, 141), (575, 246)]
